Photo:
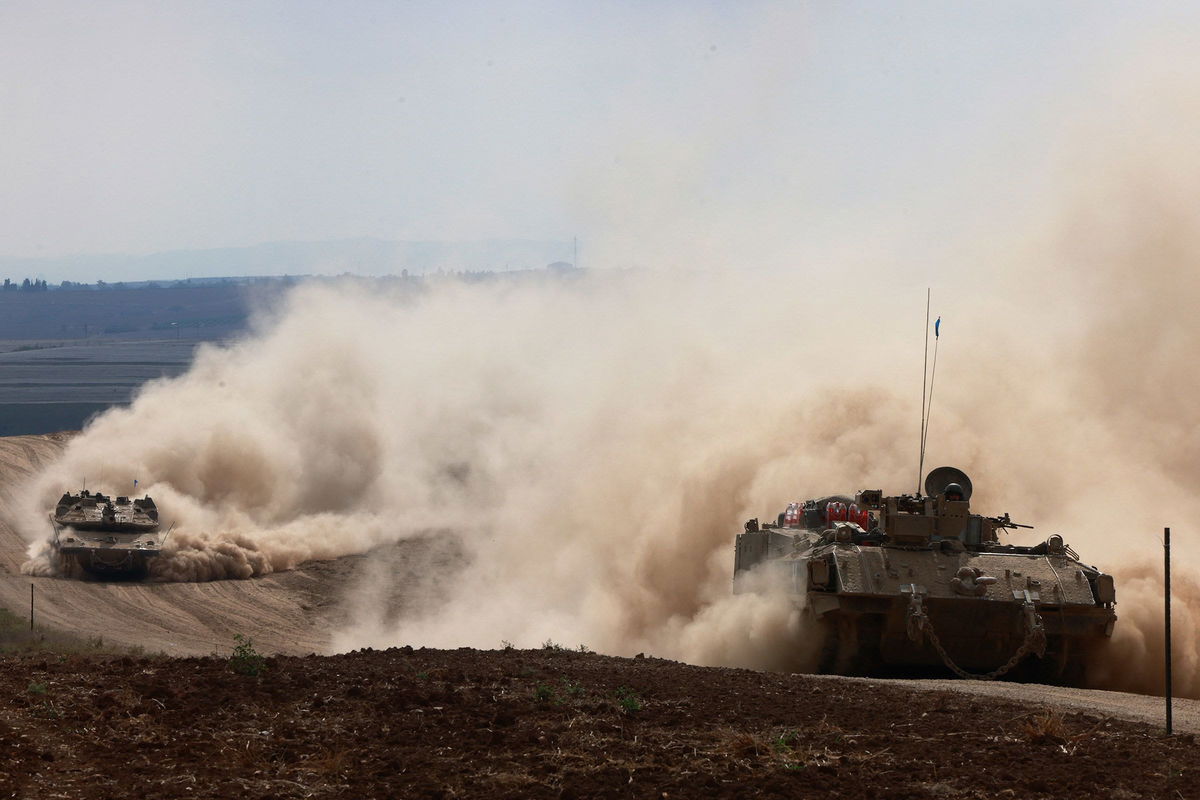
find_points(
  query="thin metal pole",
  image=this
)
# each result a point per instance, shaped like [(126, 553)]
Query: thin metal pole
[(1167, 621), (31, 608), (929, 402), (924, 377)]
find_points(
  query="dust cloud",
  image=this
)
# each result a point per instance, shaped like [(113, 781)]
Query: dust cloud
[(592, 444)]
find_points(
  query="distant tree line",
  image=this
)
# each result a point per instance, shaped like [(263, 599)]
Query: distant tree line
[(38, 285), (561, 268), (26, 285)]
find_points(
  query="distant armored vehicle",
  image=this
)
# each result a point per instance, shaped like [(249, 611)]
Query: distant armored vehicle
[(919, 581), (105, 536)]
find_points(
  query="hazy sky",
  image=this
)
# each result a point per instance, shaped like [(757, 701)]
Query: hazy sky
[(645, 128)]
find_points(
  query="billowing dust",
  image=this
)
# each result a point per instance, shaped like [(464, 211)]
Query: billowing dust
[(593, 444)]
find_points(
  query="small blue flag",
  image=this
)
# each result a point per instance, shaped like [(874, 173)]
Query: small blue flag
[(135, 483), (936, 326)]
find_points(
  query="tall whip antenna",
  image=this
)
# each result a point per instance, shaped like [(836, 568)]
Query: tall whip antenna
[(932, 377), (924, 378)]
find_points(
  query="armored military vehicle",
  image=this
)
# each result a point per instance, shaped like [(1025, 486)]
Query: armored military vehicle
[(106, 536), (919, 581)]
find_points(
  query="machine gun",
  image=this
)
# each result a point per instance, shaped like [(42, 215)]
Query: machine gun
[(1004, 521)]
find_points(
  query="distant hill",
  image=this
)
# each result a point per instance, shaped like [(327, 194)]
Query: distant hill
[(358, 256)]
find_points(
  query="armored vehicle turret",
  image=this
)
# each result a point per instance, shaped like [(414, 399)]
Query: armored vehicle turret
[(106, 536), (912, 581)]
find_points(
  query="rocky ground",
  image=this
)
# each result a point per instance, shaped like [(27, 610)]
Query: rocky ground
[(544, 723)]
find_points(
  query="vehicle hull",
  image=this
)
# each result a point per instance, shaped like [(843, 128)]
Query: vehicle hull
[(106, 537), (868, 635), (929, 586), (108, 562)]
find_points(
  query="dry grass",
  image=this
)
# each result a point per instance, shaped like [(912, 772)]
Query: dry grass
[(327, 761), (16, 638), (1046, 727), (795, 749)]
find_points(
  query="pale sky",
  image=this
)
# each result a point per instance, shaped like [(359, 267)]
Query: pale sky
[(643, 128)]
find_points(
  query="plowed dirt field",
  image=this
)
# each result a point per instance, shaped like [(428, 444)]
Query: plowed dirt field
[(555, 724)]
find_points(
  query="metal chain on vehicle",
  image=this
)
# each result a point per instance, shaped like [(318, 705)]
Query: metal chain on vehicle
[(919, 625)]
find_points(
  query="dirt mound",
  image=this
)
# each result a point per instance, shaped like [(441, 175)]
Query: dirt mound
[(546, 723)]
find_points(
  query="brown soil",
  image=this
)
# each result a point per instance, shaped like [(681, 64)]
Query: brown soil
[(546, 723)]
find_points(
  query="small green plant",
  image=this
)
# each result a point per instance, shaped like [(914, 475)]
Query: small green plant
[(628, 700), (245, 659), (544, 693), (37, 688), (785, 742), (572, 688), (423, 675), (784, 746)]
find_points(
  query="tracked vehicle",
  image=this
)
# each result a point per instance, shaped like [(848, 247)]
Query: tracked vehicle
[(105, 536), (920, 581)]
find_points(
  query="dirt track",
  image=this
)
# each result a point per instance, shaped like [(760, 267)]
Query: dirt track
[(285, 613)]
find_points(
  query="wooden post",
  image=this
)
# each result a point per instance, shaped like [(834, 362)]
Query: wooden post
[(1167, 621)]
